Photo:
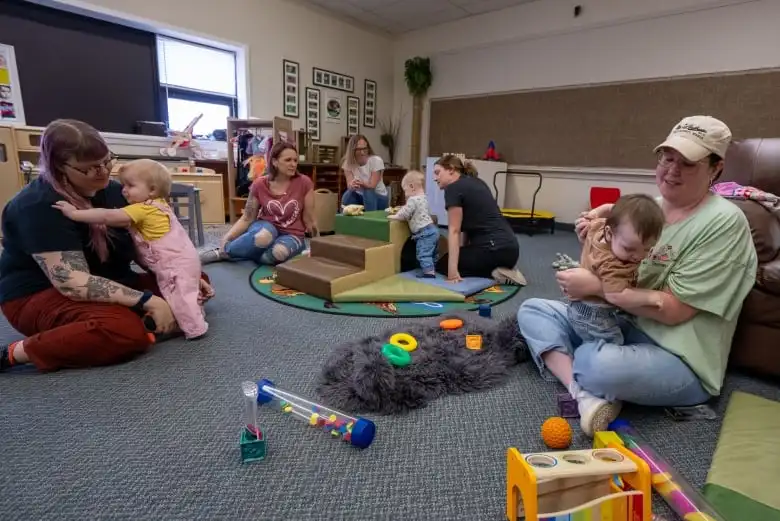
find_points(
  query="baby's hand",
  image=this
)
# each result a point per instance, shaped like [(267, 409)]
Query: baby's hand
[(66, 208)]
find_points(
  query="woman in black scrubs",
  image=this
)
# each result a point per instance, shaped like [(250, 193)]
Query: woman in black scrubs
[(481, 242)]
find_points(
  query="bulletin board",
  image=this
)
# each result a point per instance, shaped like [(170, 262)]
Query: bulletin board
[(615, 125)]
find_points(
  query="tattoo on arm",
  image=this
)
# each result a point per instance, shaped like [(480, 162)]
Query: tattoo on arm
[(252, 208), (67, 270), (75, 260)]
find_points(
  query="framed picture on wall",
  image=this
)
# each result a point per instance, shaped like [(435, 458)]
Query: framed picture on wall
[(290, 87), (353, 115), (11, 108), (313, 113), (369, 104), (332, 80)]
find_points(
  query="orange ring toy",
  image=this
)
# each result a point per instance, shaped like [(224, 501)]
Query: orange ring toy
[(451, 324)]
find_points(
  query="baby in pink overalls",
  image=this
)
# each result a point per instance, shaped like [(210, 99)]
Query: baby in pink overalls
[(164, 247)]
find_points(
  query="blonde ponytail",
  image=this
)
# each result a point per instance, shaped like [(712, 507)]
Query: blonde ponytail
[(469, 169)]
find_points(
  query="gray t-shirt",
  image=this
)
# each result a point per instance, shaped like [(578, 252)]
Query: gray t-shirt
[(417, 212)]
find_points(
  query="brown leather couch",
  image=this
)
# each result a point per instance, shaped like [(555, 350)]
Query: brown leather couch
[(756, 346)]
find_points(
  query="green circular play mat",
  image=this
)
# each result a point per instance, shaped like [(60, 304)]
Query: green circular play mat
[(262, 280)]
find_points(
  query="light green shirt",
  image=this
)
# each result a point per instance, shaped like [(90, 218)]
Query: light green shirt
[(708, 261)]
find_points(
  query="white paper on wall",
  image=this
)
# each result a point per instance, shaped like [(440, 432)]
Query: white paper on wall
[(11, 107)]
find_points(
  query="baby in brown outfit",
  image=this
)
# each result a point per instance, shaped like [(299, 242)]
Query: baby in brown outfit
[(612, 250)]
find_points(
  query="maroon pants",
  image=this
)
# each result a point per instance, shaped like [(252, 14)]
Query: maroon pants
[(63, 333)]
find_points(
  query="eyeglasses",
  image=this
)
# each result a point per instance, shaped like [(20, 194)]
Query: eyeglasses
[(667, 160), (95, 170), (361, 149)]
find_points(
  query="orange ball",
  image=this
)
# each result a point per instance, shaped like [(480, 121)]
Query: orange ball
[(556, 433)]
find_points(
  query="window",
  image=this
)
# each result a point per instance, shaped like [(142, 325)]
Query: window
[(195, 79)]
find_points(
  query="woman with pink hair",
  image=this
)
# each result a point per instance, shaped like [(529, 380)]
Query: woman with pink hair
[(68, 286)]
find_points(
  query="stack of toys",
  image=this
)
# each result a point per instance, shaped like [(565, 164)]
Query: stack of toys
[(611, 482), (490, 153)]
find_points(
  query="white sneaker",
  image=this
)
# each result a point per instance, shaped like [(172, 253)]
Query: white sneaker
[(212, 255), (595, 413), (509, 277)]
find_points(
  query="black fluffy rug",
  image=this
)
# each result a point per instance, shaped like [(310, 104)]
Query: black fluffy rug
[(358, 378)]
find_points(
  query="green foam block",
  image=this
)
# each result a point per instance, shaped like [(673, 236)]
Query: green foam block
[(398, 288), (742, 483)]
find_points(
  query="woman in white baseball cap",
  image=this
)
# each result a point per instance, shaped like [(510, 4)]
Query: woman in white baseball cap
[(702, 267)]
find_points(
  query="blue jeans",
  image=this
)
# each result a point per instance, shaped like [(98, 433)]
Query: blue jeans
[(595, 321), (426, 243), (369, 199), (640, 371), (263, 244)]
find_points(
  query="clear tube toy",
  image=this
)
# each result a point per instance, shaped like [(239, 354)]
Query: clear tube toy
[(358, 432), (678, 494), (250, 409)]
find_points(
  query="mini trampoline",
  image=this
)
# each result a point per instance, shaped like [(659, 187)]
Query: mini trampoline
[(525, 221)]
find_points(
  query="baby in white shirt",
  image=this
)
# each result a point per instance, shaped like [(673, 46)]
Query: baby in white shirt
[(418, 214)]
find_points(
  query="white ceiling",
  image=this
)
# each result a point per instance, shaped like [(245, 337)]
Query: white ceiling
[(401, 16)]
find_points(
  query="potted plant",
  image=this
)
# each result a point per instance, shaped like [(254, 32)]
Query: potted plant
[(390, 128), (418, 76)]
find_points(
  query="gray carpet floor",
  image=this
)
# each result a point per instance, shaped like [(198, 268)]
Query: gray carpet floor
[(157, 438)]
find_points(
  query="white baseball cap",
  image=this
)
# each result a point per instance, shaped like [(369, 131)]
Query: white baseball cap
[(696, 137)]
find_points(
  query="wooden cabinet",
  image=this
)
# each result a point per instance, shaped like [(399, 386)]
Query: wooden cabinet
[(212, 204), (10, 174)]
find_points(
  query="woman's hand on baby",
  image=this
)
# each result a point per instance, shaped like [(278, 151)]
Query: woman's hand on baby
[(582, 224), (66, 208), (161, 312), (578, 283)]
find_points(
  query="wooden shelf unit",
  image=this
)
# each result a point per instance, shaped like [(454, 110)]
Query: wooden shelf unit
[(323, 175), (18, 144), (234, 125)]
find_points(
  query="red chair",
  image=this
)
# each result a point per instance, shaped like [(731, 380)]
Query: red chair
[(603, 195)]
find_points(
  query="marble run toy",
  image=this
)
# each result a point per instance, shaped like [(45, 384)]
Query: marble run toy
[(252, 441), (578, 485), (359, 432), (678, 494)]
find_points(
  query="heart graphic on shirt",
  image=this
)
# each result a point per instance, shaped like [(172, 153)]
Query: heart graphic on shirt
[(283, 214)]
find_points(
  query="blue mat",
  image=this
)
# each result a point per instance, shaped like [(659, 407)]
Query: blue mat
[(468, 286)]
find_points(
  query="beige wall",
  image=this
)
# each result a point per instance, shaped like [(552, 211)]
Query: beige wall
[(272, 30), (541, 45)]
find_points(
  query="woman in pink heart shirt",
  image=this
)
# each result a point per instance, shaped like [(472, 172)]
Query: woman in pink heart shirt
[(278, 213)]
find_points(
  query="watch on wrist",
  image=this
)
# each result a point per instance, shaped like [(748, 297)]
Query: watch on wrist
[(139, 306)]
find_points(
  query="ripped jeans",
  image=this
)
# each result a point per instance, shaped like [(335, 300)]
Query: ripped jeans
[(263, 244)]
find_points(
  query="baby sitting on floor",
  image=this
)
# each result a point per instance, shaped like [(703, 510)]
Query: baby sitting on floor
[(612, 250), (418, 214)]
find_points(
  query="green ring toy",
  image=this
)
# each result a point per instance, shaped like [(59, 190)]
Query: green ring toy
[(396, 356)]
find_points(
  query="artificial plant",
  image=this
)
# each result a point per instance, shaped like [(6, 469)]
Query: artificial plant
[(418, 76), (390, 129)]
